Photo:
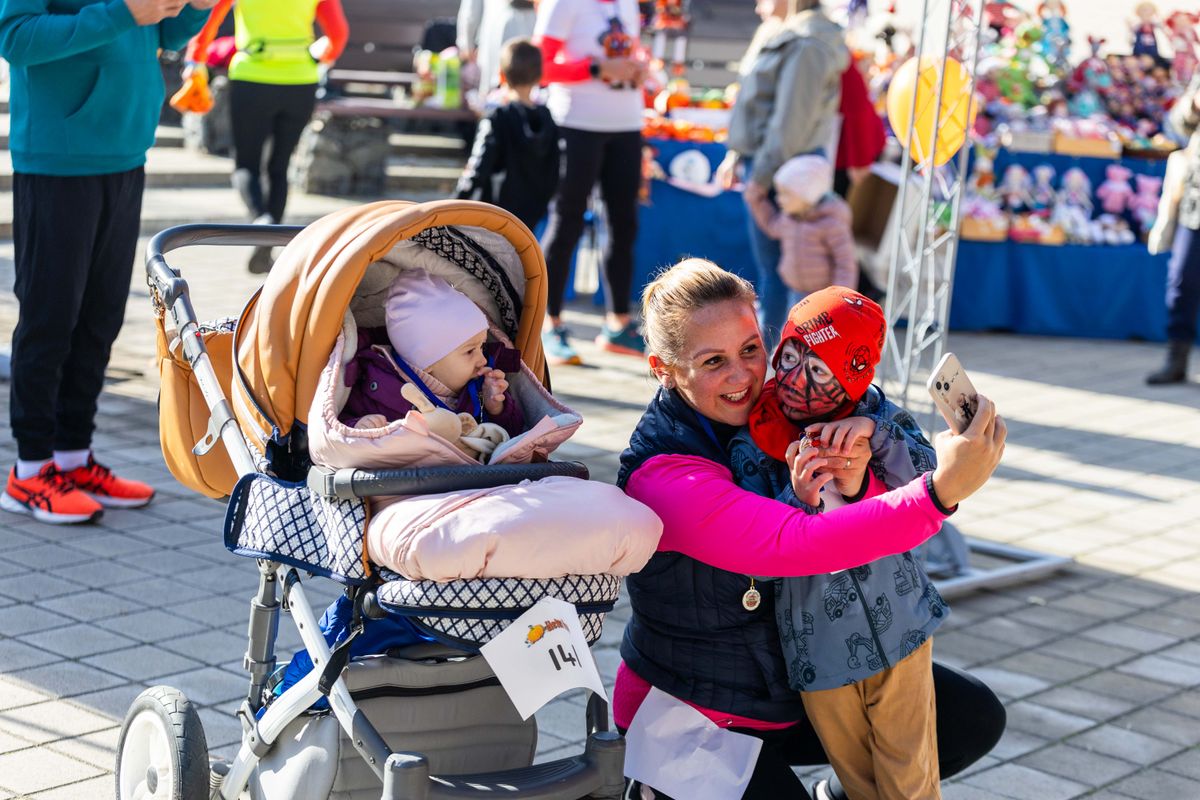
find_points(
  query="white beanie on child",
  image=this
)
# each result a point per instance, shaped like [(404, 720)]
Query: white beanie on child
[(427, 318), (808, 178)]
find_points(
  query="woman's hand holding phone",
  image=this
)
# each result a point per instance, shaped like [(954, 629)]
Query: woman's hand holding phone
[(966, 460)]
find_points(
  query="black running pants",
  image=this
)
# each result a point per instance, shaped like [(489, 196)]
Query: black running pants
[(262, 112), (75, 239), (615, 160)]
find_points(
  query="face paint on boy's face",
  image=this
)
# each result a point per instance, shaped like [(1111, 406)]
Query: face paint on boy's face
[(805, 387)]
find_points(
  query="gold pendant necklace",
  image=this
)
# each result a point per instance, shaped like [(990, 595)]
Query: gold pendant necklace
[(751, 599)]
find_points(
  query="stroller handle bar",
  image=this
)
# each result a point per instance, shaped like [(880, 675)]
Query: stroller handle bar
[(167, 280), (346, 484)]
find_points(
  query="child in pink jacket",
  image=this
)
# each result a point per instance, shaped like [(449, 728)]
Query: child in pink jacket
[(812, 225)]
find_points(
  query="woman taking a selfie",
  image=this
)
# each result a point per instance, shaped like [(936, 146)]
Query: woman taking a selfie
[(692, 634)]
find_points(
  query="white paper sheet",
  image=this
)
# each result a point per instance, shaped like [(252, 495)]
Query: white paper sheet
[(542, 654), (675, 749)]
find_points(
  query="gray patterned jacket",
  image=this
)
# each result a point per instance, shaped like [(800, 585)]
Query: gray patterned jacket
[(840, 628)]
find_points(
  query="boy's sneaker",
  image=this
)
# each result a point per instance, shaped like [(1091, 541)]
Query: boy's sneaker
[(557, 344), (50, 496), (625, 340), (98, 482)]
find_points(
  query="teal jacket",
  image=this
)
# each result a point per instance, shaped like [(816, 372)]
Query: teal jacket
[(85, 84)]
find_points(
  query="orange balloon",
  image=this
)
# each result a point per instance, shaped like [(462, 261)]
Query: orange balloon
[(914, 87)]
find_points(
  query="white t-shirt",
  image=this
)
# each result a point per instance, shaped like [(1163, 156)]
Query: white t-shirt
[(581, 25)]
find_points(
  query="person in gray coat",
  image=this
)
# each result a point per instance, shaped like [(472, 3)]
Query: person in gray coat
[(1183, 274), (787, 105), (483, 28)]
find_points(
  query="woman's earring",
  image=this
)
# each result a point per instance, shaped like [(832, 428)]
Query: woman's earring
[(668, 383)]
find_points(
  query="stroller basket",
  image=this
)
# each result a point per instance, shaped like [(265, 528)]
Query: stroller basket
[(258, 413)]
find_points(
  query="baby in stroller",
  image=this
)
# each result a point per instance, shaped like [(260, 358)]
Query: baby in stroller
[(440, 384), (436, 343)]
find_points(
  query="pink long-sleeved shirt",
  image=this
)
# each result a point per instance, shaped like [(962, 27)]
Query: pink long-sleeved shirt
[(708, 517)]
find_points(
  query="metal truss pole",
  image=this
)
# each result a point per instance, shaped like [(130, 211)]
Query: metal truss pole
[(921, 278), (926, 219)]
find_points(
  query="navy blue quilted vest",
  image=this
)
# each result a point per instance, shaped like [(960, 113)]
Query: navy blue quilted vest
[(689, 635)]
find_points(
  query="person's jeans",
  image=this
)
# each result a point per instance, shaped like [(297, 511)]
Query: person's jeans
[(775, 299), (1183, 286)]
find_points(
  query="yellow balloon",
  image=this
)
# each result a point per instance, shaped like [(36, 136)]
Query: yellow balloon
[(912, 87)]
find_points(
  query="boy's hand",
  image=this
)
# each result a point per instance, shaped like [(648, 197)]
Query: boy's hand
[(838, 438), (847, 445), (494, 387), (804, 462)]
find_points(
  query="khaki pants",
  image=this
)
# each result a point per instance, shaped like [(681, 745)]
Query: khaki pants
[(881, 733)]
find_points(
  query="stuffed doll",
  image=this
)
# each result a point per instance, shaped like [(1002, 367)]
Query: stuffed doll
[(1043, 190), (1185, 44), (1090, 81), (1116, 190), (1056, 42), (982, 182), (1073, 211), (475, 439), (1145, 30), (1144, 203), (1016, 189)]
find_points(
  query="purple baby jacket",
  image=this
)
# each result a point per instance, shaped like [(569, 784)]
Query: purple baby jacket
[(375, 384)]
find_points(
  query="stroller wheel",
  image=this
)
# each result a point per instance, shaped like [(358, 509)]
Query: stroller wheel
[(162, 754)]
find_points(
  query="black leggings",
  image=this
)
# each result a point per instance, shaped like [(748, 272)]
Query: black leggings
[(262, 111), (615, 159), (970, 721)]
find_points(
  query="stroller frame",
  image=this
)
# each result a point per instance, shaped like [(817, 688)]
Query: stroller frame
[(597, 772)]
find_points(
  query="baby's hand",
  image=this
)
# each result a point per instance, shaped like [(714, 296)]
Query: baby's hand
[(837, 438), (803, 462), (494, 387)]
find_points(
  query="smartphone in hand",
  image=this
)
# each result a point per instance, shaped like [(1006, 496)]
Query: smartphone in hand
[(953, 393)]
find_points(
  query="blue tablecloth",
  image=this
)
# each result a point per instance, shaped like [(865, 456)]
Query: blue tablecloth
[(1096, 291), (1101, 291), (677, 223)]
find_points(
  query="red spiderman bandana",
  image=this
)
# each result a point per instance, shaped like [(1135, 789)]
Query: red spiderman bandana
[(823, 365)]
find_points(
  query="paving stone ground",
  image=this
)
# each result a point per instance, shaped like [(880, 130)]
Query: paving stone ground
[(1097, 665)]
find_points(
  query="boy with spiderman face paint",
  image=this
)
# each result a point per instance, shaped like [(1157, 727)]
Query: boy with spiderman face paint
[(857, 643)]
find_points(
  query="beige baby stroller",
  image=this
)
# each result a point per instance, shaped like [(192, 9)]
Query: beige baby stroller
[(427, 720)]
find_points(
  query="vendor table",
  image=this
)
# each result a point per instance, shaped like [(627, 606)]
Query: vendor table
[(1095, 291), (1098, 291)]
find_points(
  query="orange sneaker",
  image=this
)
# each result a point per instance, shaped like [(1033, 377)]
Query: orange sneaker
[(98, 482), (49, 496)]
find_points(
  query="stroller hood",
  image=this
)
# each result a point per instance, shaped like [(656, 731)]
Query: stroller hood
[(287, 331)]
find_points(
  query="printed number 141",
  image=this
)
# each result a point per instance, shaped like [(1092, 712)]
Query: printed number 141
[(571, 658)]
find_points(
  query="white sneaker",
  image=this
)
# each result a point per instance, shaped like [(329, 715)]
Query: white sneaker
[(821, 790)]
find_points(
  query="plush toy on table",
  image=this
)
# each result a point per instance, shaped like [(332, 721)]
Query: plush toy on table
[(1145, 30), (1073, 209), (982, 181), (1144, 203), (1056, 40), (1112, 229), (1043, 193), (1016, 189), (1115, 192), (1185, 45), (1090, 81)]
